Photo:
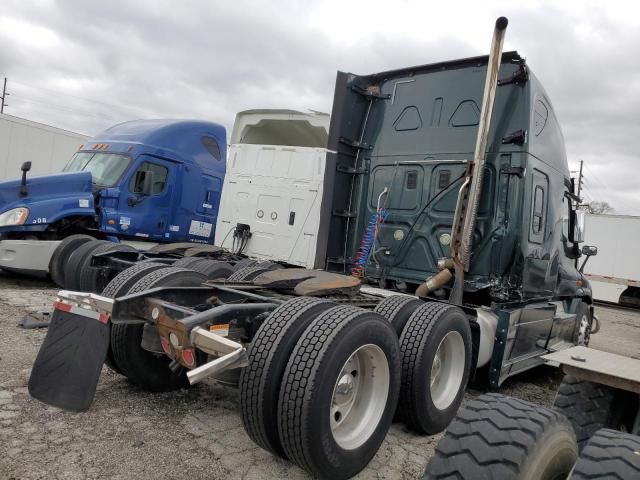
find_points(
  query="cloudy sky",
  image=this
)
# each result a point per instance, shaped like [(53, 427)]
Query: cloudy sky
[(84, 65)]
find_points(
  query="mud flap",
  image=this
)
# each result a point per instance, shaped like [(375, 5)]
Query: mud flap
[(66, 371)]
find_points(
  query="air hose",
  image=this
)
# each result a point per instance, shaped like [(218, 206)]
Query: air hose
[(369, 238)]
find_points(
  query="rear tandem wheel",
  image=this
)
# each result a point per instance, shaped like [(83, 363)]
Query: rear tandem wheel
[(436, 361), (119, 286), (339, 392), (269, 353), (150, 370)]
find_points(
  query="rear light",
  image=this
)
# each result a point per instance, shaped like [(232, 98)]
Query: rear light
[(165, 346), (188, 357)]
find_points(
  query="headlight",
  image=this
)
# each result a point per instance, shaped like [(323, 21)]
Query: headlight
[(15, 216)]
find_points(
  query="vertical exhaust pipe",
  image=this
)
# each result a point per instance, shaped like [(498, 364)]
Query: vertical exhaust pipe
[(480, 153), (470, 192)]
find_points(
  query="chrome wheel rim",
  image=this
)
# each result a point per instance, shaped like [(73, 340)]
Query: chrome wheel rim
[(447, 370), (359, 396), (583, 331)]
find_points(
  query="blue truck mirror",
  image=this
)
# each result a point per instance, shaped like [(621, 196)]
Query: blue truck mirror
[(26, 166)]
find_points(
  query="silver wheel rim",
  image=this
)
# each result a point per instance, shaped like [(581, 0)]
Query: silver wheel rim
[(359, 396), (447, 370), (583, 330)]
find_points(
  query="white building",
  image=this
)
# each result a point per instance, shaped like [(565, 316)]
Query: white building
[(47, 148)]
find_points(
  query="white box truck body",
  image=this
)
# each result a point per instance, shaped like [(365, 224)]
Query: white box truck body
[(274, 184), (47, 148), (614, 272)]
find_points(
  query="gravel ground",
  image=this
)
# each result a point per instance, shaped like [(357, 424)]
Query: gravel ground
[(195, 433)]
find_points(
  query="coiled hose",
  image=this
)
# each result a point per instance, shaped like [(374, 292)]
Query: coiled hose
[(366, 244)]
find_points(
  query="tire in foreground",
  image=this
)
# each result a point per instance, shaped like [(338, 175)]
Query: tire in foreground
[(339, 392), (609, 454), (498, 437), (269, 354)]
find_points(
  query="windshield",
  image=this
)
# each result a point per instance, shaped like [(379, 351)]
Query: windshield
[(106, 168)]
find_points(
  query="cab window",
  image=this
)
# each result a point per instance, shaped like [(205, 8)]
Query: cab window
[(212, 147), (159, 172)]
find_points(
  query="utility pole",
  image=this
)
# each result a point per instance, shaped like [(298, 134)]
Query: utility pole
[(580, 179), (4, 95)]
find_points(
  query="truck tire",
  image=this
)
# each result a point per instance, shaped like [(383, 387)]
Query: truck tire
[(245, 262), (247, 274), (397, 309), (119, 286), (148, 370), (436, 361), (77, 258), (504, 438), (90, 278), (609, 454), (186, 262), (333, 411), (584, 320), (121, 283), (61, 256), (213, 269), (269, 353), (591, 406)]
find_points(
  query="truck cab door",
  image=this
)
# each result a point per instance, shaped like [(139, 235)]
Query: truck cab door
[(146, 213)]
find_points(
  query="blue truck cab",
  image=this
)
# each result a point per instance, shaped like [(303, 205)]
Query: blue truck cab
[(153, 180)]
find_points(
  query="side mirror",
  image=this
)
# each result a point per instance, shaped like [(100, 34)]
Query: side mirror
[(147, 183), (589, 251), (576, 226), (26, 166)]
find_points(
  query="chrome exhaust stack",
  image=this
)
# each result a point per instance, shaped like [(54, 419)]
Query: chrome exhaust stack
[(470, 192)]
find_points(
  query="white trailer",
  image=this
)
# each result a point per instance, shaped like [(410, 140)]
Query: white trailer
[(47, 148), (274, 183), (614, 272)]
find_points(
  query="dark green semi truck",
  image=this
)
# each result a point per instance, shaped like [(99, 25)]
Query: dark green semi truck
[(451, 239), (405, 146)]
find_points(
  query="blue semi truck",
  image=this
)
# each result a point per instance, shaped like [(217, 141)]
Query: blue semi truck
[(150, 180)]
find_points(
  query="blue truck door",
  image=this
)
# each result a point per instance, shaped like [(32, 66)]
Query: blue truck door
[(147, 216)]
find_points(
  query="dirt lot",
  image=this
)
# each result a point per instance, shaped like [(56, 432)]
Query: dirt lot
[(195, 433)]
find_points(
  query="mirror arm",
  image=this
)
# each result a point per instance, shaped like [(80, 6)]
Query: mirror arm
[(581, 269)]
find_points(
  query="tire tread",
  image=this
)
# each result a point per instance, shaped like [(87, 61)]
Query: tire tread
[(491, 438), (264, 347), (412, 340), (609, 454), (587, 405)]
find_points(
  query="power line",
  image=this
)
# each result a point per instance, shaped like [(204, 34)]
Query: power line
[(65, 108), (604, 187), (77, 97)]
